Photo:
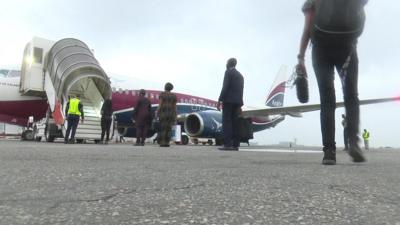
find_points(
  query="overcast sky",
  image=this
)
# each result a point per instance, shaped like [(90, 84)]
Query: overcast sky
[(187, 42)]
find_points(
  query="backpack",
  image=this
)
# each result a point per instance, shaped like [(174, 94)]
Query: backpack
[(338, 22)]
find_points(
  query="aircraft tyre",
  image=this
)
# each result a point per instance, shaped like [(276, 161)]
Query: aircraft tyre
[(48, 132), (28, 135), (184, 140)]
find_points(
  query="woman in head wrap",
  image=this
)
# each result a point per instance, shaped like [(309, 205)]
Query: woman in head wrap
[(167, 114), (142, 117)]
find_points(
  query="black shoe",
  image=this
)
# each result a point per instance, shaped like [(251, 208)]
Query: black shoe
[(225, 148), (164, 145), (329, 157), (356, 154), (65, 142)]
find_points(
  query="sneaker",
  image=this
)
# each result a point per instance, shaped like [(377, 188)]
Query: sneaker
[(356, 154), (329, 157)]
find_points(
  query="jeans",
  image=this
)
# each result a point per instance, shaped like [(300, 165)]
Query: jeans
[(73, 121), (325, 60)]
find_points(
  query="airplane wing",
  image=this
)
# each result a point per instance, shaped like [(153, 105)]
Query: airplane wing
[(296, 111)]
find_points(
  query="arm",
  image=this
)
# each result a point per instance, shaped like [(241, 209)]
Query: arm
[(66, 109), (102, 108), (305, 38), (80, 106), (135, 110), (225, 86)]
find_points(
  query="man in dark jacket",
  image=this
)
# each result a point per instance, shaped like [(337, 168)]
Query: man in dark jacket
[(106, 118), (142, 117), (231, 98)]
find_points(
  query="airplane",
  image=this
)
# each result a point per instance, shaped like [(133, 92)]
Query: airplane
[(198, 116)]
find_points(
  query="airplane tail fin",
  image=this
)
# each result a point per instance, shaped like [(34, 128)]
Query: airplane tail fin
[(276, 95)]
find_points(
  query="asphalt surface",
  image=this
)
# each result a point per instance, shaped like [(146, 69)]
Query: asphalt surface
[(54, 183)]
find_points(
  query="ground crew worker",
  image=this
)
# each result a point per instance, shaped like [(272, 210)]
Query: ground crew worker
[(74, 111), (366, 139)]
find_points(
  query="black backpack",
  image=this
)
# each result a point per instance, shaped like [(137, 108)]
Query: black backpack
[(338, 22)]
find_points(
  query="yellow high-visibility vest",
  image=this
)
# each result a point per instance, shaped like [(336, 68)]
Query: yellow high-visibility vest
[(74, 107), (366, 135)]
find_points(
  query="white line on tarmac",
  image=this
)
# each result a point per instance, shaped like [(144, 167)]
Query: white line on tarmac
[(279, 150)]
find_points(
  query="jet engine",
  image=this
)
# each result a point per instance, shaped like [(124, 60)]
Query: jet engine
[(204, 124)]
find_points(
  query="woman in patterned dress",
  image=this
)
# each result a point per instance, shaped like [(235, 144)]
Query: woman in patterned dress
[(167, 114)]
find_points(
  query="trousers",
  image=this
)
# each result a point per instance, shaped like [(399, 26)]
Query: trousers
[(325, 60)]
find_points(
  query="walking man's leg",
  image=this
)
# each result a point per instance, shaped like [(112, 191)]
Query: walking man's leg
[(108, 125), (351, 102), (103, 128), (324, 71), (69, 126), (75, 122)]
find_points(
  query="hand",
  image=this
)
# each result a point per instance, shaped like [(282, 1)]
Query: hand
[(219, 106), (301, 68)]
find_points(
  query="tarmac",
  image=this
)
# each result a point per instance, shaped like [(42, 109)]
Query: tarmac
[(54, 183)]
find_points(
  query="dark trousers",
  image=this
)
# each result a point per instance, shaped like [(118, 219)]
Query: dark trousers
[(325, 60), (141, 133), (73, 121), (105, 127), (230, 125), (346, 138)]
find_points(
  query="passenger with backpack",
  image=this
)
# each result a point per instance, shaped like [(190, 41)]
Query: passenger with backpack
[(333, 26)]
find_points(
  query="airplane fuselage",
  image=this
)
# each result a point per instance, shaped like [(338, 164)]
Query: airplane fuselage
[(16, 109)]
